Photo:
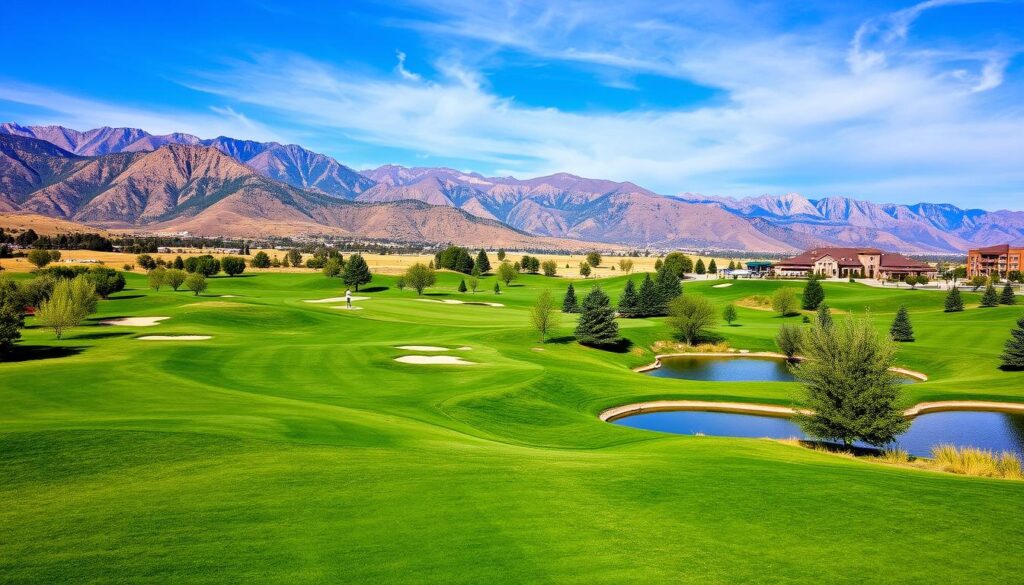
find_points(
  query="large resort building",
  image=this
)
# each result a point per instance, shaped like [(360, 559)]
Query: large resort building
[(853, 263), (1000, 260)]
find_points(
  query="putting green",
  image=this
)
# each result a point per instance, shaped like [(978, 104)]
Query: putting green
[(292, 447)]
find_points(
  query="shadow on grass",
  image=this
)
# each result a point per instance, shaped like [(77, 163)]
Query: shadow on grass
[(123, 297), (620, 346), (105, 335), (28, 353), (561, 340), (374, 289)]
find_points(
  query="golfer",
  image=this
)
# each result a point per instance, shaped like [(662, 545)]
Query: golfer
[(348, 298)]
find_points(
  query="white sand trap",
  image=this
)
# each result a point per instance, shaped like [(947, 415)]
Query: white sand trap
[(174, 337), (336, 300), (422, 348), (135, 321), (458, 302), (464, 348), (433, 360), (229, 296), (347, 308), (721, 285)]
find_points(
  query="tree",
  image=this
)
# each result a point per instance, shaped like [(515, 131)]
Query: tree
[(543, 315), (978, 282), (732, 265), (626, 265), (400, 283), (260, 260), (454, 258), (658, 264), (497, 289), (107, 281), (848, 392), (901, 329), (691, 315), (356, 272), (157, 278), (501, 254), (990, 298), (232, 265), (824, 318), (594, 259), (729, 314), (679, 263), (954, 302), (921, 279), (332, 268), (507, 272), (39, 257), (295, 257), (285, 262), (419, 276), (629, 302), (550, 268), (789, 339), (179, 264), (699, 269), (206, 265), (1013, 351), (483, 263), (462, 286), (649, 302), (12, 314), (597, 326), (174, 278), (911, 280), (813, 295), (69, 304), (145, 261), (473, 283), (196, 283), (1007, 297), (784, 302), (712, 267), (667, 287), (569, 304)]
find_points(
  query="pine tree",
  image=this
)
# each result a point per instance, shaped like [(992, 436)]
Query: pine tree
[(629, 302), (712, 267), (597, 324), (356, 272), (483, 263), (569, 304), (647, 304), (824, 316), (1007, 298), (1013, 353), (813, 295), (732, 265), (901, 329), (497, 289), (668, 287), (954, 302), (990, 298), (179, 264), (700, 267), (462, 286), (501, 254)]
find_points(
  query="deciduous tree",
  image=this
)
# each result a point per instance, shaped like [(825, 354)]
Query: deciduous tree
[(729, 314), (70, 303), (543, 315), (196, 283), (419, 276), (784, 302), (691, 315)]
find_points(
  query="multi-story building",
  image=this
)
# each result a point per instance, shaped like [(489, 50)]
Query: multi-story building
[(1001, 260), (853, 262)]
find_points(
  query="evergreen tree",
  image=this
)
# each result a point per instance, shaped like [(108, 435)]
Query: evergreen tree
[(629, 302), (462, 286), (668, 288), (1007, 298), (497, 289), (990, 298), (901, 329), (813, 295), (1013, 353), (483, 263), (12, 314), (179, 264), (501, 254), (647, 304), (954, 302), (597, 324), (712, 267), (824, 316), (732, 265), (569, 304), (357, 272), (700, 267)]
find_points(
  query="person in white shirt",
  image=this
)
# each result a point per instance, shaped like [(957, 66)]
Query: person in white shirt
[(348, 298)]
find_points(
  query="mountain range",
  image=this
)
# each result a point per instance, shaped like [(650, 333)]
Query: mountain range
[(128, 177)]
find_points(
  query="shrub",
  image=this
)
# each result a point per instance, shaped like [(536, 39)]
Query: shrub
[(332, 268), (462, 286)]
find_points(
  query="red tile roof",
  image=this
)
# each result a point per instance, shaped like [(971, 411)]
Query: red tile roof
[(849, 257)]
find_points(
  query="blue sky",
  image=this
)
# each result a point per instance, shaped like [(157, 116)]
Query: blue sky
[(886, 101)]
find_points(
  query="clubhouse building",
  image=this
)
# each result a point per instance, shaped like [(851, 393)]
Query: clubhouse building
[(999, 260), (852, 262)]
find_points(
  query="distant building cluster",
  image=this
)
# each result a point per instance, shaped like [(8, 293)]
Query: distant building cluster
[(999, 260), (834, 262)]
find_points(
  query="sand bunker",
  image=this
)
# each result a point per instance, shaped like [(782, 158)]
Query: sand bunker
[(229, 296), (464, 348), (721, 285), (336, 300), (174, 337), (458, 302), (421, 348), (433, 360), (134, 321)]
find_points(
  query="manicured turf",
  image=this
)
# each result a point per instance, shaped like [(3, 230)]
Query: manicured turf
[(292, 448)]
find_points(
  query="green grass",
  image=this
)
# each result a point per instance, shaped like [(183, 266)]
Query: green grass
[(293, 448)]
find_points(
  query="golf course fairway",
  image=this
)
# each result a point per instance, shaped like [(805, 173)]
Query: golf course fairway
[(281, 441)]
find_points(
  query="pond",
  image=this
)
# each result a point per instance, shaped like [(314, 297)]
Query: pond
[(728, 369), (995, 431)]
